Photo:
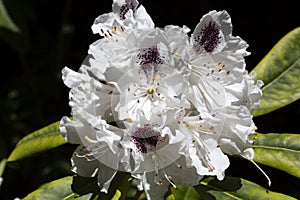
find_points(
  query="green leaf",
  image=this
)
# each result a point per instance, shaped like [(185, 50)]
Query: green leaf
[(22, 13), (58, 189), (2, 166), (41, 140), (170, 197), (5, 20), (280, 151), (237, 188), (184, 193), (118, 189), (231, 188), (117, 195), (81, 188), (279, 70)]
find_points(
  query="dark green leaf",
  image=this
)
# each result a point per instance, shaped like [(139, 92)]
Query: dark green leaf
[(58, 189), (21, 13), (41, 140), (279, 70), (85, 185), (231, 188), (5, 20), (281, 151), (119, 186), (117, 190)]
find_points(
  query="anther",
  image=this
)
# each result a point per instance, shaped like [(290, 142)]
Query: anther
[(122, 29)]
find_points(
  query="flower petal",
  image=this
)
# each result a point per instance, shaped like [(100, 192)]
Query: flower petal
[(105, 176), (175, 172), (70, 130), (82, 164)]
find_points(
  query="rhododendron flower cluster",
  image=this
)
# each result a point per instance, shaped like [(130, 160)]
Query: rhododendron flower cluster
[(165, 105)]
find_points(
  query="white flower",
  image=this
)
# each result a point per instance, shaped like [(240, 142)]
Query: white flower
[(126, 15), (159, 104)]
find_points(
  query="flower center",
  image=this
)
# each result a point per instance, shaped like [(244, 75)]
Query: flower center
[(150, 90), (145, 139), (208, 38)]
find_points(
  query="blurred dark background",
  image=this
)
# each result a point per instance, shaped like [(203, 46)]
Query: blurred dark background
[(56, 33)]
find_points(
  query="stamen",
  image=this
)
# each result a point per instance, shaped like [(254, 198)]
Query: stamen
[(154, 158), (218, 67), (122, 29), (129, 120), (260, 169), (199, 144), (160, 182), (211, 169), (109, 33), (90, 140), (168, 179), (157, 78)]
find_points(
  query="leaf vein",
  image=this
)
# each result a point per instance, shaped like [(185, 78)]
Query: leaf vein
[(276, 148)]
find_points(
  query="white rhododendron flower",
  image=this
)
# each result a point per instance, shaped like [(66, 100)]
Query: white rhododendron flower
[(160, 104)]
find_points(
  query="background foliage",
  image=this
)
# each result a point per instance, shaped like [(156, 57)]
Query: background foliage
[(39, 38)]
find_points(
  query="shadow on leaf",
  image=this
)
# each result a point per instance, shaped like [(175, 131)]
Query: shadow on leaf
[(87, 185), (207, 186)]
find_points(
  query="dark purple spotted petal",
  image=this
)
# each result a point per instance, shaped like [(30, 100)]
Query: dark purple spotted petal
[(208, 38), (124, 9), (149, 60), (145, 138)]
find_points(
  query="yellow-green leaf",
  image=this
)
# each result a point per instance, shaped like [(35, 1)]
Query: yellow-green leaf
[(117, 195), (41, 140), (280, 151), (233, 188), (2, 166), (5, 20), (58, 189), (279, 70), (184, 193)]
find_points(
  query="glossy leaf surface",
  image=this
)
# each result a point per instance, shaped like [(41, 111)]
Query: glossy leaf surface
[(231, 188), (279, 70), (58, 189), (281, 151), (41, 140)]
